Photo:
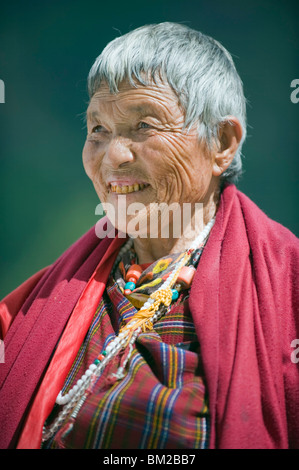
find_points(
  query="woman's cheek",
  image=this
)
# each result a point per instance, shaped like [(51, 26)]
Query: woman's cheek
[(91, 159)]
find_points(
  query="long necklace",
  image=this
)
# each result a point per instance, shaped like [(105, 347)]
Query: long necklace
[(152, 310)]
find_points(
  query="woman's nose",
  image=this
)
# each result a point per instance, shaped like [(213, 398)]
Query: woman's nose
[(118, 152)]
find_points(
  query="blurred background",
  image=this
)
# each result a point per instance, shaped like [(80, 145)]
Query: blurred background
[(46, 51)]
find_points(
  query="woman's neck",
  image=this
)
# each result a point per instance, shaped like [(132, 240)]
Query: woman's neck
[(150, 249)]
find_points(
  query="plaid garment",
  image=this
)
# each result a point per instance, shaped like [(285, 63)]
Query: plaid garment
[(161, 402)]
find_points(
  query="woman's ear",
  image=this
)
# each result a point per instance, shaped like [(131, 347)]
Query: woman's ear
[(229, 137)]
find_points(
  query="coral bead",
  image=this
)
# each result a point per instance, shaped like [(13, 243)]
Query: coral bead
[(134, 273), (185, 277)]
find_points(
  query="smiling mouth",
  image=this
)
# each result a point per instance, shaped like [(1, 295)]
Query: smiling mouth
[(126, 189)]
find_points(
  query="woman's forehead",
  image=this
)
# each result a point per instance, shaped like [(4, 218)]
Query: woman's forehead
[(139, 100)]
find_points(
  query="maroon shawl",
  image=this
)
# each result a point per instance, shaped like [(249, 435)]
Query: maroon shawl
[(244, 304)]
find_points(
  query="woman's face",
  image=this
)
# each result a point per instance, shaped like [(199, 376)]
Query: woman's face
[(137, 151)]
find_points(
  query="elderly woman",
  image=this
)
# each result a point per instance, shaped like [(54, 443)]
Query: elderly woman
[(133, 339)]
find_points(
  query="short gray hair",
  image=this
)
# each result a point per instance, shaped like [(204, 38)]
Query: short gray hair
[(199, 70)]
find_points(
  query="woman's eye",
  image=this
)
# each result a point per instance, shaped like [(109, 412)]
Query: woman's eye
[(97, 129), (144, 125)]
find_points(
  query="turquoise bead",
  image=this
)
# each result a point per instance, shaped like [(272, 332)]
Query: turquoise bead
[(175, 294), (130, 285)]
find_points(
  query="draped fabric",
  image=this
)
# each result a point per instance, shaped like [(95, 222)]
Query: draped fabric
[(244, 305), (160, 402), (54, 319)]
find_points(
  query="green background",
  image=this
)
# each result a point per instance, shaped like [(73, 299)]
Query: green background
[(46, 51)]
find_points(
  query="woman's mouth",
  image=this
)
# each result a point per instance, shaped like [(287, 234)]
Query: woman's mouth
[(121, 188)]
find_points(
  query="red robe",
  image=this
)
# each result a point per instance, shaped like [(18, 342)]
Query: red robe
[(244, 302)]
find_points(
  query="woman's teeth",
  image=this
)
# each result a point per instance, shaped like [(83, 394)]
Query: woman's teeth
[(127, 189)]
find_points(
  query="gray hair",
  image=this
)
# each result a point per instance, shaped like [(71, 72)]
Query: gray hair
[(199, 70)]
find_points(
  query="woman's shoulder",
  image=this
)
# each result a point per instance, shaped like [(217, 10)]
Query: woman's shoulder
[(262, 227)]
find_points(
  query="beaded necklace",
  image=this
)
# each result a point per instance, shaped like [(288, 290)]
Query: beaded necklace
[(157, 305)]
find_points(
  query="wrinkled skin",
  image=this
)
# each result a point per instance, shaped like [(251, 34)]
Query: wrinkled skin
[(137, 135)]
